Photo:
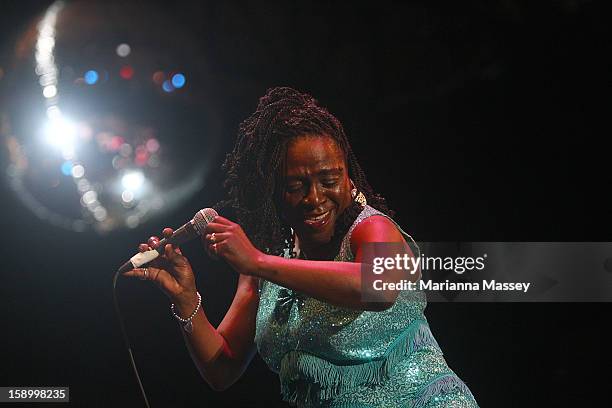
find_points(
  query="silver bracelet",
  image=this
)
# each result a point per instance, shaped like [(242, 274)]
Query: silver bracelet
[(187, 325)]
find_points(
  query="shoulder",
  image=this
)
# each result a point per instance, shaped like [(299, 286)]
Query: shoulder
[(376, 228)]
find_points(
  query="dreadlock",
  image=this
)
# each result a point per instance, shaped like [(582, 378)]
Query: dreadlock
[(255, 166)]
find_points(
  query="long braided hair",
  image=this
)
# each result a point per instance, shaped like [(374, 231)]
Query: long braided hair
[(255, 167)]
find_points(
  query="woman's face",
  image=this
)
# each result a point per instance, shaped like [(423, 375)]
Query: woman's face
[(317, 188)]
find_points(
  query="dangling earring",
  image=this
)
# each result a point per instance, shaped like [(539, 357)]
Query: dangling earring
[(357, 195), (289, 251)]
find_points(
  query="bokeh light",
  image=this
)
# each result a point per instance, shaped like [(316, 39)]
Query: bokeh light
[(133, 180), (66, 168), (159, 77), (78, 171), (126, 72), (91, 77), (60, 132), (178, 80), (49, 91), (167, 86), (123, 50), (152, 145), (127, 196)]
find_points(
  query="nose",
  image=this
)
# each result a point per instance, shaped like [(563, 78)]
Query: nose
[(314, 196)]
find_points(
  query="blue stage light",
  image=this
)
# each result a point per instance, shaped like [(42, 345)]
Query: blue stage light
[(66, 168), (178, 80), (91, 77), (167, 86)]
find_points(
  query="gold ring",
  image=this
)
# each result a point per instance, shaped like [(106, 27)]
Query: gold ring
[(212, 237), (215, 248)]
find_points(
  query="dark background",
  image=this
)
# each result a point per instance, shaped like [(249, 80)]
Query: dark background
[(477, 120)]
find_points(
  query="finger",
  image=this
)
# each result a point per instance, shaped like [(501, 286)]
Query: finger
[(167, 232), (212, 250), (217, 249), (131, 273), (222, 220), (159, 276), (216, 227), (153, 242), (143, 248), (141, 273), (206, 244), (218, 237), (211, 253), (171, 252)]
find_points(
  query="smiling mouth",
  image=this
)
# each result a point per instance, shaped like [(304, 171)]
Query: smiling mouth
[(317, 221)]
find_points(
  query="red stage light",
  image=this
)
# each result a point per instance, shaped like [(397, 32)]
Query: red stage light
[(126, 72), (159, 77)]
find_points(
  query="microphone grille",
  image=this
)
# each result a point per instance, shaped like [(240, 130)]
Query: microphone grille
[(202, 218)]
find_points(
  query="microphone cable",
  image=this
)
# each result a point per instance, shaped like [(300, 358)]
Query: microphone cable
[(126, 339)]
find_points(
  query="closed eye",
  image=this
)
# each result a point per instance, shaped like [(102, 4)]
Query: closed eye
[(293, 187), (329, 182)]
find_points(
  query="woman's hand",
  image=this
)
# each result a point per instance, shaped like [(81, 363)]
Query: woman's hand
[(227, 240), (171, 272)]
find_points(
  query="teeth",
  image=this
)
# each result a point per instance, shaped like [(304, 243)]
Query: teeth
[(317, 218)]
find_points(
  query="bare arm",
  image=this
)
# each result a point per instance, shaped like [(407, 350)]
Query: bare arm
[(222, 354), (337, 283)]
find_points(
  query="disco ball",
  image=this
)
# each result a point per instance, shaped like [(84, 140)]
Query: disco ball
[(103, 117)]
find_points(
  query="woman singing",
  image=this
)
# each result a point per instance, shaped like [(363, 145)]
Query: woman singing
[(304, 213)]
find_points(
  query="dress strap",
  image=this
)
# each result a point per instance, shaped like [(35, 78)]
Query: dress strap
[(345, 253)]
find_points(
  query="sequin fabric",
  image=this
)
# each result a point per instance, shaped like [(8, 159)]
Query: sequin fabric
[(328, 356)]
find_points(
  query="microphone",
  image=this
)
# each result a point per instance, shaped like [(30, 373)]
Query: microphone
[(192, 229)]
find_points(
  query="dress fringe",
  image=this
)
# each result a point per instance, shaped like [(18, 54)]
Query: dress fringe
[(441, 385), (308, 379)]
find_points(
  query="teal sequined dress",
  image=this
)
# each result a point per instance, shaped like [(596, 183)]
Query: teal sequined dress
[(328, 356)]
